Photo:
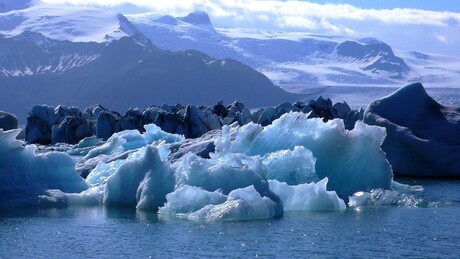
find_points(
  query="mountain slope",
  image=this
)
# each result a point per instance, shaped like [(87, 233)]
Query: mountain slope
[(126, 74), (31, 53), (76, 24)]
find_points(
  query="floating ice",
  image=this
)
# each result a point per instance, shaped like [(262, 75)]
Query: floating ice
[(187, 199), (352, 160), (24, 175), (241, 204), (255, 173), (227, 187), (422, 137), (307, 197), (380, 197), (291, 166), (226, 173), (399, 195), (84, 146), (133, 139), (142, 183)]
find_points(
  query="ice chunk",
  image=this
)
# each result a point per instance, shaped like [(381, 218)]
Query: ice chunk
[(102, 171), (395, 186), (225, 173), (352, 160), (187, 199), (307, 197), (133, 139), (24, 175), (141, 183), (380, 197), (242, 204), (84, 146), (291, 166)]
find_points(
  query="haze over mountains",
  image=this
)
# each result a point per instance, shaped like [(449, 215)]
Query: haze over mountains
[(83, 55)]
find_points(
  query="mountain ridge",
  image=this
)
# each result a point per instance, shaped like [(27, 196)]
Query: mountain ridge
[(299, 61), (129, 74)]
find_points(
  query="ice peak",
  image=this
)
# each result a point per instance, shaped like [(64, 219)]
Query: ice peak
[(414, 92), (197, 18)]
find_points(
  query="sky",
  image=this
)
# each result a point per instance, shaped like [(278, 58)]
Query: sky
[(430, 26)]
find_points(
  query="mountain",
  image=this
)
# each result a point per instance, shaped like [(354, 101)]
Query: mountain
[(375, 57), (72, 23), (299, 61), (31, 53), (120, 74)]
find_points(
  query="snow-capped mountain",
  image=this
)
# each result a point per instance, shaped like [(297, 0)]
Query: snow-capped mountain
[(31, 53), (297, 61), (44, 39), (85, 56), (374, 57), (76, 24), (121, 74)]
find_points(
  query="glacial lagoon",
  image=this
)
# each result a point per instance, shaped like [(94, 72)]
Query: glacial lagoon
[(409, 222), (431, 231)]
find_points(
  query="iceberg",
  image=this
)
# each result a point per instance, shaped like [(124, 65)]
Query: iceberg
[(254, 172), (380, 197), (131, 140), (187, 199), (351, 159), (307, 197), (24, 174), (241, 204), (142, 183), (194, 203), (422, 134)]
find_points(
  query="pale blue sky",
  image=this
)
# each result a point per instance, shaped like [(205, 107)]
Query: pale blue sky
[(434, 5)]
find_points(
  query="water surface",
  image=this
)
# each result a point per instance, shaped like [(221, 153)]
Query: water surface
[(99, 232)]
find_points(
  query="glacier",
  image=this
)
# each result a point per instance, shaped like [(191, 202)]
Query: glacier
[(255, 172)]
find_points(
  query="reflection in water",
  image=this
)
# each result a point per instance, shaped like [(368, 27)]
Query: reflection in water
[(130, 214)]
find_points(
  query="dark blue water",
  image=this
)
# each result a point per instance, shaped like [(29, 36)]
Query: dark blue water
[(98, 232)]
